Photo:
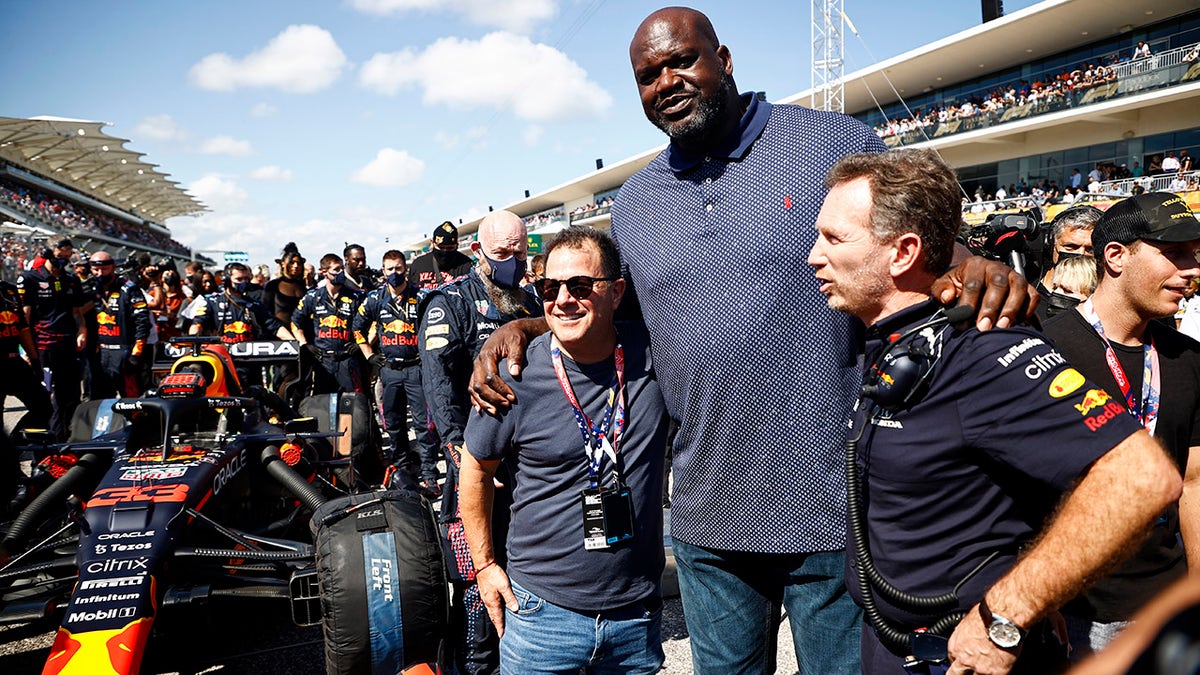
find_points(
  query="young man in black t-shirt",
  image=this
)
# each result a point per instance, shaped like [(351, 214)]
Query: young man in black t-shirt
[(1146, 247)]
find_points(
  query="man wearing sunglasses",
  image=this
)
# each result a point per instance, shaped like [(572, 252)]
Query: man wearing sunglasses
[(455, 320), (122, 328), (586, 434)]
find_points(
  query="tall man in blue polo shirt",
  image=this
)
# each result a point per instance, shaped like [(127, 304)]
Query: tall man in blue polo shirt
[(759, 381)]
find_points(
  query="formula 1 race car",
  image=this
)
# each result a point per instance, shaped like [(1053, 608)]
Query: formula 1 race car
[(202, 489)]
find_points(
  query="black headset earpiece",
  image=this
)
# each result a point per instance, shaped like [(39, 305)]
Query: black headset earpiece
[(898, 375)]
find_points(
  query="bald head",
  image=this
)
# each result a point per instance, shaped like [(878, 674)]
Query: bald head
[(668, 21), (502, 234), (685, 77)]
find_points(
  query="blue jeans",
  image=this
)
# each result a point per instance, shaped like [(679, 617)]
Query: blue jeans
[(541, 637), (732, 600)]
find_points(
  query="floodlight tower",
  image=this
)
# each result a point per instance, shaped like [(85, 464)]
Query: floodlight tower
[(828, 51)]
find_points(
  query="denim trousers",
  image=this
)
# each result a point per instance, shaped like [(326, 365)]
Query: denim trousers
[(541, 637), (732, 602)]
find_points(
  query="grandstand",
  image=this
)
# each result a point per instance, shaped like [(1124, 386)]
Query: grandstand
[(972, 97), (63, 177)]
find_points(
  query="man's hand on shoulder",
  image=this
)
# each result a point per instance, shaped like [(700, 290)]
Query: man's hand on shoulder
[(971, 651), (489, 393), (1001, 297), (496, 593)]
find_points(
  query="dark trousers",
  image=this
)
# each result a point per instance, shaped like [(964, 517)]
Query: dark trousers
[(403, 398), (115, 376), (66, 383), (19, 379), (332, 375)]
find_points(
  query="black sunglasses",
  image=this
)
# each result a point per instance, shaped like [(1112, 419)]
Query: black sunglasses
[(579, 287)]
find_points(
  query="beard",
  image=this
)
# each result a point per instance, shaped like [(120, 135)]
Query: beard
[(507, 300), (704, 120)]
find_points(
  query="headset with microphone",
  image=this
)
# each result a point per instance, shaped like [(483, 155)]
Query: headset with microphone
[(898, 374)]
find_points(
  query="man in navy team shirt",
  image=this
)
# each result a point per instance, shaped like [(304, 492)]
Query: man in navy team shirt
[(963, 444)]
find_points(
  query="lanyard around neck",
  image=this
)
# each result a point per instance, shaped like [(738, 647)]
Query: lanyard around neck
[(595, 437), (1147, 412)]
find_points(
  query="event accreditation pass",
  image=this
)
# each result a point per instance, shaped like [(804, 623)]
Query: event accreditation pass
[(607, 517)]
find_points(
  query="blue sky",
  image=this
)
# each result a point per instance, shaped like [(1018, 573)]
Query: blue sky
[(323, 122)]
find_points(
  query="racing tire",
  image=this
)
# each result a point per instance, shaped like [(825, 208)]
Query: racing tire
[(384, 592)]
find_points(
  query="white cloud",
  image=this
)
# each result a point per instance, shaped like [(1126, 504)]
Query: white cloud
[(390, 168), (159, 128), (532, 135), (301, 59), (219, 194), (475, 137), (263, 110), (501, 70), (514, 15), (226, 145), (271, 173)]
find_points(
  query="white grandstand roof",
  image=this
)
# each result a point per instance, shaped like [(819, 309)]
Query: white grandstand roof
[(79, 155), (1030, 34)]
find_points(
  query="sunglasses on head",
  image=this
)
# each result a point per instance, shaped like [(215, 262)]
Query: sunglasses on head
[(579, 287)]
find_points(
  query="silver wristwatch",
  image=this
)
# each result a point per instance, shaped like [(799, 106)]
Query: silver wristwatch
[(1001, 631)]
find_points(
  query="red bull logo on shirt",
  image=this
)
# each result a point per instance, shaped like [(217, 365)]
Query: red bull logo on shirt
[(1094, 398), (9, 324), (237, 331)]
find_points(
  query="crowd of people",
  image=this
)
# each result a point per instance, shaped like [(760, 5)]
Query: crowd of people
[(1106, 180), (1087, 82), (73, 217), (866, 449)]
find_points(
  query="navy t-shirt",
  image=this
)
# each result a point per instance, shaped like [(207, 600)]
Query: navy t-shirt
[(974, 468), (541, 443)]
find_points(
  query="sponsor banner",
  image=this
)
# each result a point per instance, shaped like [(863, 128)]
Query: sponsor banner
[(255, 351)]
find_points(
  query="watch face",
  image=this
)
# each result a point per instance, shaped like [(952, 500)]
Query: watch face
[(1005, 635)]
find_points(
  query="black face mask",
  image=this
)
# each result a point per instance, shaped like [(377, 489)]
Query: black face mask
[(1058, 302), (442, 256)]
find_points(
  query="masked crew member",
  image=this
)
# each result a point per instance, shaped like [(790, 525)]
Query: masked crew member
[(122, 328), (53, 302), (951, 491), (392, 312), (455, 321), (17, 377), (443, 263), (321, 323), (237, 318)]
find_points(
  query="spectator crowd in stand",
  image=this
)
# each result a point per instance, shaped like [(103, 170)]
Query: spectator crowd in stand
[(1044, 94), (76, 217), (594, 209)]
